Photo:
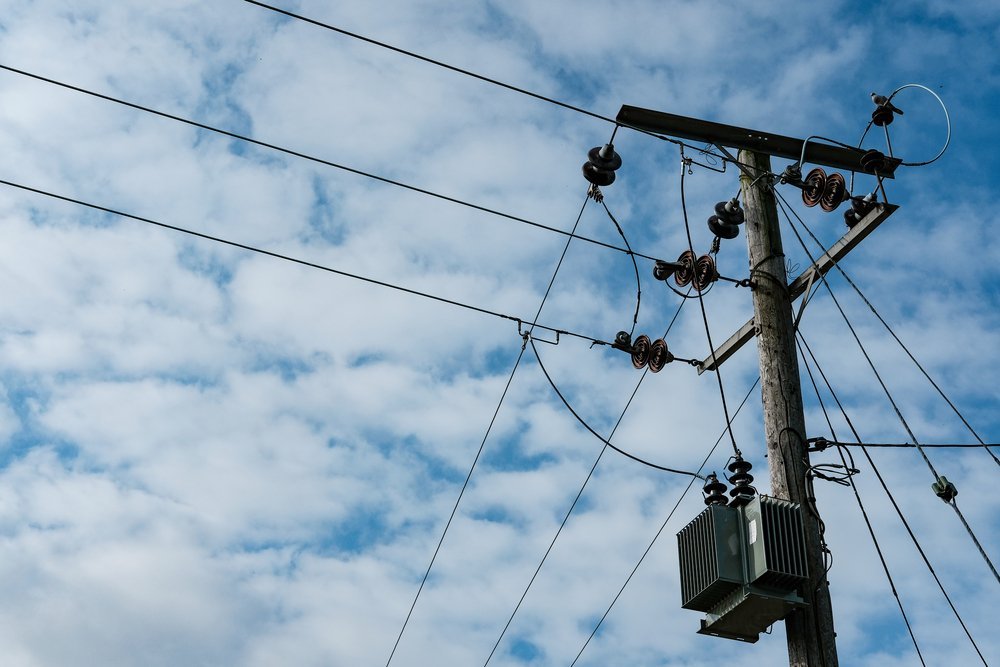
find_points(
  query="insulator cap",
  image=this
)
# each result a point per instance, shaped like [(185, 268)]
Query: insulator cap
[(715, 491), (601, 165), (813, 187), (834, 192), (873, 161), (605, 157), (596, 175), (741, 479), (705, 272), (623, 341), (663, 270), (882, 116), (685, 274), (730, 212), (721, 229), (640, 351), (659, 355)]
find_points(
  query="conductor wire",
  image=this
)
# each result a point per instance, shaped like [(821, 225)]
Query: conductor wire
[(704, 317), (786, 207), (525, 338), (892, 499), (317, 160), (857, 497), (288, 258), (663, 527), (576, 499)]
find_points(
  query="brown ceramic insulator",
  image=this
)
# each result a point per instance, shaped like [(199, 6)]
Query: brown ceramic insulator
[(659, 355), (813, 187), (684, 275), (705, 272), (640, 351), (834, 193)]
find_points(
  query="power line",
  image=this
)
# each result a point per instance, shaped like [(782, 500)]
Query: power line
[(598, 435), (638, 283), (438, 63), (322, 161), (526, 336), (496, 82), (454, 509), (704, 315), (302, 262), (824, 441), (662, 527), (583, 486), (857, 496), (892, 499), (892, 402), (888, 328)]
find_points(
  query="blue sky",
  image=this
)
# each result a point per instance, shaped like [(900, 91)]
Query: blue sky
[(214, 457)]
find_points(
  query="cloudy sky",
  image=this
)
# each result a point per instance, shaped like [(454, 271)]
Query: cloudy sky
[(210, 456)]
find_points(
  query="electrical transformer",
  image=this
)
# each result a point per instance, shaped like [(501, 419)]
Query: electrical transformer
[(742, 565)]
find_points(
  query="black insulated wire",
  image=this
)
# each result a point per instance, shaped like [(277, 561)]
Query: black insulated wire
[(301, 262), (638, 283), (888, 394), (454, 509), (892, 333), (892, 500), (322, 161), (861, 505), (659, 532), (579, 494), (704, 317), (598, 435), (526, 336), (495, 82)]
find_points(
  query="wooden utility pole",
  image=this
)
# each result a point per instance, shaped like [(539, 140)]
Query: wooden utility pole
[(809, 631), (811, 639)]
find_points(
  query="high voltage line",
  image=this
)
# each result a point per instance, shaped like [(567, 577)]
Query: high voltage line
[(322, 161)]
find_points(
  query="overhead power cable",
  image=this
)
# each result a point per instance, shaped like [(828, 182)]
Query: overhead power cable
[(857, 497), (579, 493), (598, 435), (887, 327), (322, 161), (824, 441), (885, 389), (526, 336), (480, 77), (663, 527), (432, 61), (891, 497), (704, 314), (302, 262), (891, 332)]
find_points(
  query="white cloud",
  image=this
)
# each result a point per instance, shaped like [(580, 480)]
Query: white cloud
[(215, 457)]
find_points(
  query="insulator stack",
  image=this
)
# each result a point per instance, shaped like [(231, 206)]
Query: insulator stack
[(705, 272), (728, 216), (644, 352), (715, 491), (882, 116), (741, 479), (827, 191), (640, 351), (601, 165), (834, 192), (685, 274), (859, 209), (659, 355)]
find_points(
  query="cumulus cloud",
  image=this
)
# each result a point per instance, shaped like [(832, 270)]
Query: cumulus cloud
[(210, 456)]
